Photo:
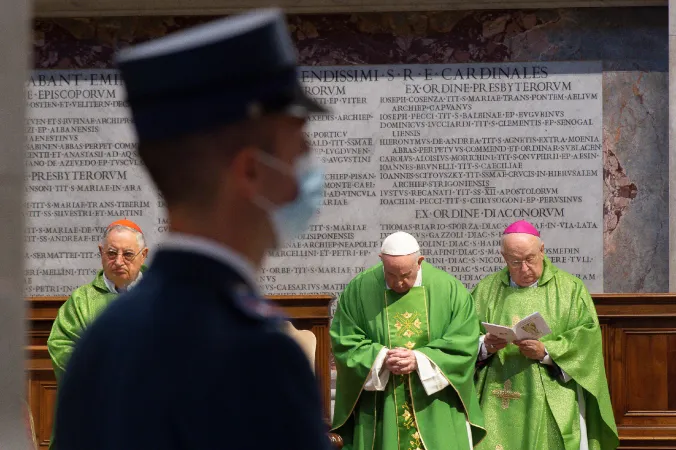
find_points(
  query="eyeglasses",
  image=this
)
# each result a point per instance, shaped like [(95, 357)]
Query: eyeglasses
[(516, 263), (127, 255)]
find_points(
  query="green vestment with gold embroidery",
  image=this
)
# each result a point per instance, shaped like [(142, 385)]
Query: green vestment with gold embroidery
[(526, 404), (438, 320)]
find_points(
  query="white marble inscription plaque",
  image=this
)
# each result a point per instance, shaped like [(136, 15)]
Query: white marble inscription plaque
[(81, 174), (449, 153)]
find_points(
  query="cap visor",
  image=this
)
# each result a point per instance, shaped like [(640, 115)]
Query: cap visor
[(304, 105)]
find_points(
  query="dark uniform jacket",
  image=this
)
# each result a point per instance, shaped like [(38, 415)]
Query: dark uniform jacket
[(189, 359)]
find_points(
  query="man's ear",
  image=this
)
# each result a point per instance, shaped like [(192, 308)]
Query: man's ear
[(421, 259), (100, 249), (145, 252), (244, 172)]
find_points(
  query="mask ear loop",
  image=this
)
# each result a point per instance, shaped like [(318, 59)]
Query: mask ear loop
[(274, 163), (263, 203), (303, 164)]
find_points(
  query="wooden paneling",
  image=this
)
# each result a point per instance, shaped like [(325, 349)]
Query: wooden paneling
[(639, 335), (42, 398), (307, 312), (311, 312), (41, 391)]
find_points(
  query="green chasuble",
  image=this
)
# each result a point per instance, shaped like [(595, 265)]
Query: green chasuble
[(438, 320), (528, 405), (82, 307)]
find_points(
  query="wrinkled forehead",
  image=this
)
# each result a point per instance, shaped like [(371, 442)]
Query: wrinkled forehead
[(122, 239), (399, 264), (520, 244)]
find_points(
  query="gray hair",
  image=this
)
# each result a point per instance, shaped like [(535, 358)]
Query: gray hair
[(139, 236)]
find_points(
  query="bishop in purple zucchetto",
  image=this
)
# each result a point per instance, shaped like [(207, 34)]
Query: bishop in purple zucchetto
[(521, 226), (556, 344)]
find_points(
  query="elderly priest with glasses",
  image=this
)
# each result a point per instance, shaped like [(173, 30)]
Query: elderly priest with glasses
[(541, 378), (123, 251)]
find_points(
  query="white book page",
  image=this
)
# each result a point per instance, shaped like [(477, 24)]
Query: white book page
[(532, 327), (500, 331)]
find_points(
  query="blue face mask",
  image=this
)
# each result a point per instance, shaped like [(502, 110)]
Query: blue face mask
[(292, 219)]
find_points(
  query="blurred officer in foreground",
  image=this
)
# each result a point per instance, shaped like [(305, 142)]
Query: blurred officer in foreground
[(193, 358)]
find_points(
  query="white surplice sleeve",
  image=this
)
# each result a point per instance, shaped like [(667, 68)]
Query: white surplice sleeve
[(483, 353), (432, 378), (547, 361), (379, 375)]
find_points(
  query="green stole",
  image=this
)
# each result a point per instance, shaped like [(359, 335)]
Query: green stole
[(407, 327)]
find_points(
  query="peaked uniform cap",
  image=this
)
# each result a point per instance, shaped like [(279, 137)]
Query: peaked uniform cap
[(399, 244), (232, 69)]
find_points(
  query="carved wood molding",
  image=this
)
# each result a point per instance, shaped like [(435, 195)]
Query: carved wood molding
[(314, 306), (311, 306), (96, 8), (635, 306)]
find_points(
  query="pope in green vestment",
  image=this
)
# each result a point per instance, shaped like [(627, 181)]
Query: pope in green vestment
[(550, 393), (405, 340)]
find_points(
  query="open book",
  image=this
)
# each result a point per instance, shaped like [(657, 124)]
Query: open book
[(532, 327)]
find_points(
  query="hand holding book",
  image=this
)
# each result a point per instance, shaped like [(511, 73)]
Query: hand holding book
[(532, 327)]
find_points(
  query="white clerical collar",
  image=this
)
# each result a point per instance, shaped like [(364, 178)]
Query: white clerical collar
[(111, 286), (514, 285), (418, 279), (215, 250)]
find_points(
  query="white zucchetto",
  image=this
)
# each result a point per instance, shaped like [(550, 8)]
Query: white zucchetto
[(399, 244)]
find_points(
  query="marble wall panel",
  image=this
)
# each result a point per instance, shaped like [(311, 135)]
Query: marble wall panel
[(631, 42)]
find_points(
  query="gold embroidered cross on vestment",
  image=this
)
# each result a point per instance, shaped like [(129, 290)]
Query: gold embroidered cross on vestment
[(506, 395), (408, 325)]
